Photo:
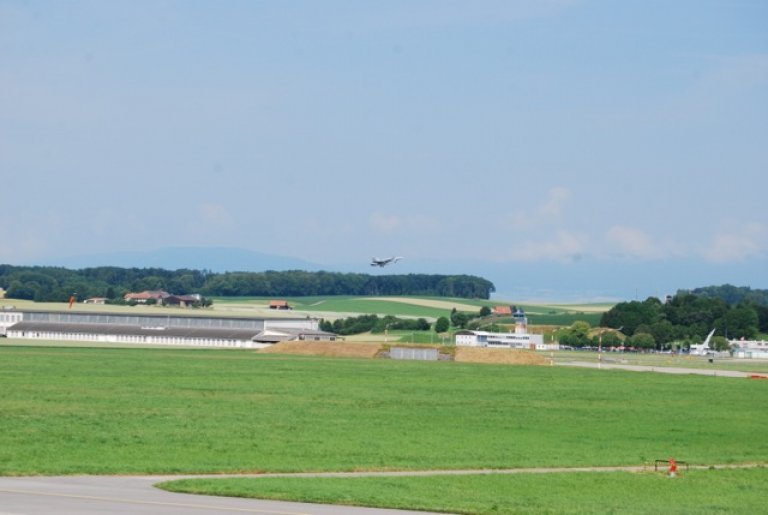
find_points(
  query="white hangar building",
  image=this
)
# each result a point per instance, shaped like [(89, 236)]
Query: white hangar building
[(146, 329), (520, 339)]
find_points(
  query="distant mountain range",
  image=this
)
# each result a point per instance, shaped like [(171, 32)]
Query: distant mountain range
[(215, 259)]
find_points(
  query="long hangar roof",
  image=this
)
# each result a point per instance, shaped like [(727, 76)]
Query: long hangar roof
[(164, 320), (121, 329)]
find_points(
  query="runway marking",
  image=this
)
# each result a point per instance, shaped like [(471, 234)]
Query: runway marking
[(154, 503)]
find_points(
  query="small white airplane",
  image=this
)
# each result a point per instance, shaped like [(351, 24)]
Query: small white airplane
[(384, 262), (702, 349)]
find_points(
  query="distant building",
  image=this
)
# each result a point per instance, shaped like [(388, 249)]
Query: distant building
[(145, 296), (286, 334), (198, 331), (749, 348), (95, 300), (183, 301), (502, 310), (279, 304), (8, 317), (520, 339)]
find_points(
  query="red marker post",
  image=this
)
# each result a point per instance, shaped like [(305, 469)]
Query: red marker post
[(672, 467)]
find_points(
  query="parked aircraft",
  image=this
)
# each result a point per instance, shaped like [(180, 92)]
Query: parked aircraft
[(385, 261), (702, 349)]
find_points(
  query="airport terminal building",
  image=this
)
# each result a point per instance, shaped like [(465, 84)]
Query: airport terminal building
[(151, 329), (520, 339)]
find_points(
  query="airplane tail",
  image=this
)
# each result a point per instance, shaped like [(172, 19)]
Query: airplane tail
[(709, 337)]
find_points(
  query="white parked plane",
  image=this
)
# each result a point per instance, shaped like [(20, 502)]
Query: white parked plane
[(702, 349), (385, 261)]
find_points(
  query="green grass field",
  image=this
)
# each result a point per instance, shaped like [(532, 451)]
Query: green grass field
[(139, 411), (65, 410)]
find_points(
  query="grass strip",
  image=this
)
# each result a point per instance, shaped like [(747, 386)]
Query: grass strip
[(696, 491)]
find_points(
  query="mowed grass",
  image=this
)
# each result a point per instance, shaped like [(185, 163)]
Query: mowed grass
[(697, 491), (118, 411)]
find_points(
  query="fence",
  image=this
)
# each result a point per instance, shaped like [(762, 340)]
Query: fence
[(427, 354)]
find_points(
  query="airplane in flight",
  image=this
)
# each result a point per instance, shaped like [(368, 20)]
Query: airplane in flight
[(384, 262)]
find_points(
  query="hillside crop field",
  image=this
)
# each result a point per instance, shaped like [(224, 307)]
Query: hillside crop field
[(431, 308), (333, 307)]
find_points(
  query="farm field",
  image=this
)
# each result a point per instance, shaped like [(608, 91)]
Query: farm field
[(138, 411), (430, 308), (332, 307)]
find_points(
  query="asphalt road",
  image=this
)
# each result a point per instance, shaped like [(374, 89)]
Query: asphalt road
[(120, 495), (136, 495)]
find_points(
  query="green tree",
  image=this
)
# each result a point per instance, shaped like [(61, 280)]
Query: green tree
[(442, 325), (577, 335), (459, 319), (606, 339), (630, 315), (739, 322), (663, 332), (580, 328), (642, 341), (720, 343)]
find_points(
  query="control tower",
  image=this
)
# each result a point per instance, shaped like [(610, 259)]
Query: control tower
[(521, 321)]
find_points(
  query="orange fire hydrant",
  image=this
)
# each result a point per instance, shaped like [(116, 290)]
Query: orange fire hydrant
[(672, 467)]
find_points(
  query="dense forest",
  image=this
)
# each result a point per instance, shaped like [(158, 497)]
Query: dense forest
[(374, 324), (54, 284), (689, 317), (731, 295)]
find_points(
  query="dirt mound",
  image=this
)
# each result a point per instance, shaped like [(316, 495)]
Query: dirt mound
[(499, 356), (370, 350), (332, 349)]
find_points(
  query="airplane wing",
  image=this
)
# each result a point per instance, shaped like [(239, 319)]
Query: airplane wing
[(385, 261)]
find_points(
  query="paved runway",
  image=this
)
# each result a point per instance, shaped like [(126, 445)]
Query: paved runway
[(134, 495), (664, 370)]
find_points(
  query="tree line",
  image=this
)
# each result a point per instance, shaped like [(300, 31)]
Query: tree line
[(687, 318), (731, 294), (374, 324), (56, 284)]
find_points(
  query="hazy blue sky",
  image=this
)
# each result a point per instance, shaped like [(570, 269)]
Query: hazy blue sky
[(531, 135)]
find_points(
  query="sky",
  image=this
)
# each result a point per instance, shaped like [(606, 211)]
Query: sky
[(556, 147)]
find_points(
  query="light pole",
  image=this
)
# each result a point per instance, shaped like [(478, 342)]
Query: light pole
[(600, 349), (600, 346)]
